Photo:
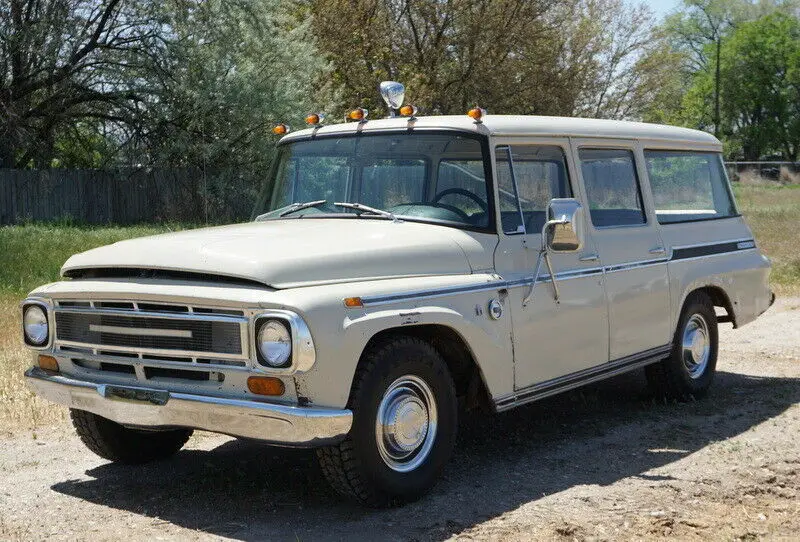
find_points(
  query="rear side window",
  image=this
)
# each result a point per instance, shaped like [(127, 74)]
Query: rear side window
[(612, 187), (688, 186)]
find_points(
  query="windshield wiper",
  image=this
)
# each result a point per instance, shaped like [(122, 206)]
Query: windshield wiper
[(366, 209), (300, 206)]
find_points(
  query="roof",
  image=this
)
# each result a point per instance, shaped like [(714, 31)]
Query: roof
[(521, 125)]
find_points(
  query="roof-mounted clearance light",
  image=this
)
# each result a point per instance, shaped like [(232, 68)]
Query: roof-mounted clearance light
[(314, 119), (393, 94), (408, 111), (477, 114), (281, 129), (358, 114)]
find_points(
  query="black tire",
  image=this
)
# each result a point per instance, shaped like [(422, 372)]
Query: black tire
[(120, 444), (672, 378), (355, 467)]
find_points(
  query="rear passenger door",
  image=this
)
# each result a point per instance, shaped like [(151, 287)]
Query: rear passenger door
[(629, 243)]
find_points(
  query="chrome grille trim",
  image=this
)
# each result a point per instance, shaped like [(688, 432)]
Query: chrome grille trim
[(148, 340)]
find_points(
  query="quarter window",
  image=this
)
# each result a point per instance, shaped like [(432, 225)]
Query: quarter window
[(612, 187), (688, 186)]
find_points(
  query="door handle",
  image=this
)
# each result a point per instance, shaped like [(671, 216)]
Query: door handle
[(593, 257), (658, 250)]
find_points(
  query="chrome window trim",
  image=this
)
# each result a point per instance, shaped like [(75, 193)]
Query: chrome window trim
[(304, 354)]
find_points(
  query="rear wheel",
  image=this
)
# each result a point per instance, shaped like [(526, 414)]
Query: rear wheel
[(689, 370), (121, 444), (404, 425)]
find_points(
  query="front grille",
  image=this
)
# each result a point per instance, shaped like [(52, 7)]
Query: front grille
[(127, 328)]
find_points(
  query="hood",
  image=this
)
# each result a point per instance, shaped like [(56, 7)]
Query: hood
[(294, 252)]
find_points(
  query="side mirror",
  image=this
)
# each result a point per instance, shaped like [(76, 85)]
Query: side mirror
[(563, 231)]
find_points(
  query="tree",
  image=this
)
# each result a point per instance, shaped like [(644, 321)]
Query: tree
[(760, 71), (511, 56), (68, 60)]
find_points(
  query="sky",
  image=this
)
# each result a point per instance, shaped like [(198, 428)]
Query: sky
[(659, 7)]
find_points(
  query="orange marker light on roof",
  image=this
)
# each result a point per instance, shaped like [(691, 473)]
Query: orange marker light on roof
[(408, 111), (476, 113), (281, 129), (314, 119), (359, 114)]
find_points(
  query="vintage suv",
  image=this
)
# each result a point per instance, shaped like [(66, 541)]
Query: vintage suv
[(406, 269)]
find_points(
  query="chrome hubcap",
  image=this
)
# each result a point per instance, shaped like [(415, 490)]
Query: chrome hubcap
[(405, 427), (696, 346)]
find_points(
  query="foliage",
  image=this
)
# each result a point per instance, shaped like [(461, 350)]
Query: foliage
[(574, 57)]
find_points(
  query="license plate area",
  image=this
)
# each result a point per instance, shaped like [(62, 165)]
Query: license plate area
[(137, 395)]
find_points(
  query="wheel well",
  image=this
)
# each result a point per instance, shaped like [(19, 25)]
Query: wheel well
[(720, 299), (470, 387)]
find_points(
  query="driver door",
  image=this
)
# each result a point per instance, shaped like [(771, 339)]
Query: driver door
[(551, 339)]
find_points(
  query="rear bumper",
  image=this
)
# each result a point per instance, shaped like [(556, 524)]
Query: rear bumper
[(282, 425)]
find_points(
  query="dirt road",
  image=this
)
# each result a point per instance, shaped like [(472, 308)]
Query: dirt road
[(605, 462)]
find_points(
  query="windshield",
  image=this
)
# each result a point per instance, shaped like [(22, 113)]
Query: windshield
[(425, 177)]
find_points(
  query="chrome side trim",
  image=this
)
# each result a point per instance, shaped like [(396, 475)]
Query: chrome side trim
[(633, 265), (580, 378), (440, 292), (281, 425)]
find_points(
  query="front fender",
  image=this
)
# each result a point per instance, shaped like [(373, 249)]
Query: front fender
[(341, 335)]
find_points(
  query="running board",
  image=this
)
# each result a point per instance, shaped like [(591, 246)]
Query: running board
[(581, 378)]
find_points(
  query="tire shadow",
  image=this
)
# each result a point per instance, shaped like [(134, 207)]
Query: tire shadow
[(596, 435)]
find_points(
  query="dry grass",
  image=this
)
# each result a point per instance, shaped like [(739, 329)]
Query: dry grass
[(773, 212), (19, 407)]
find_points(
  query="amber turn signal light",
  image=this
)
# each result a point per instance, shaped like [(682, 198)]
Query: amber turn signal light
[(408, 111), (314, 119), (476, 113), (265, 385), (359, 114), (353, 302), (280, 129), (49, 363)]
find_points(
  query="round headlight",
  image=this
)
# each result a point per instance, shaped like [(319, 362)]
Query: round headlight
[(34, 322), (274, 343)]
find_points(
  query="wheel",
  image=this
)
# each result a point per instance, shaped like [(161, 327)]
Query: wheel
[(120, 444), (689, 370), (404, 425)]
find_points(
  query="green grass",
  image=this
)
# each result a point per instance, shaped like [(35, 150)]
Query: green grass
[(33, 255)]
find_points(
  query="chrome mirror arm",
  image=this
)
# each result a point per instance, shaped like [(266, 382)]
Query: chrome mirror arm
[(545, 255)]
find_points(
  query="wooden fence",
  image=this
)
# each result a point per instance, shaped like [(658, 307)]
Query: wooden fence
[(123, 196)]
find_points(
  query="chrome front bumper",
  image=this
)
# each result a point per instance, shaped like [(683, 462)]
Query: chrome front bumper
[(302, 427)]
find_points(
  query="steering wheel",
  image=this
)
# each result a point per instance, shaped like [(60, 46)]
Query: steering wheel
[(462, 192)]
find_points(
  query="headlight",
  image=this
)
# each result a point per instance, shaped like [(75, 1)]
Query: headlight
[(274, 343), (34, 323)]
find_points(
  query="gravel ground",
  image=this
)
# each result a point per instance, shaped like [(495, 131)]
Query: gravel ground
[(605, 462)]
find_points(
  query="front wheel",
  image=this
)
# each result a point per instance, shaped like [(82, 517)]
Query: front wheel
[(689, 370), (404, 425), (121, 444)]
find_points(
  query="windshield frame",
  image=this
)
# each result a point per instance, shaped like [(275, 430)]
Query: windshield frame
[(268, 193)]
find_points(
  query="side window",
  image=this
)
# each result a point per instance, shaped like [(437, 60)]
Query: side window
[(688, 186), (612, 187), (540, 173)]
